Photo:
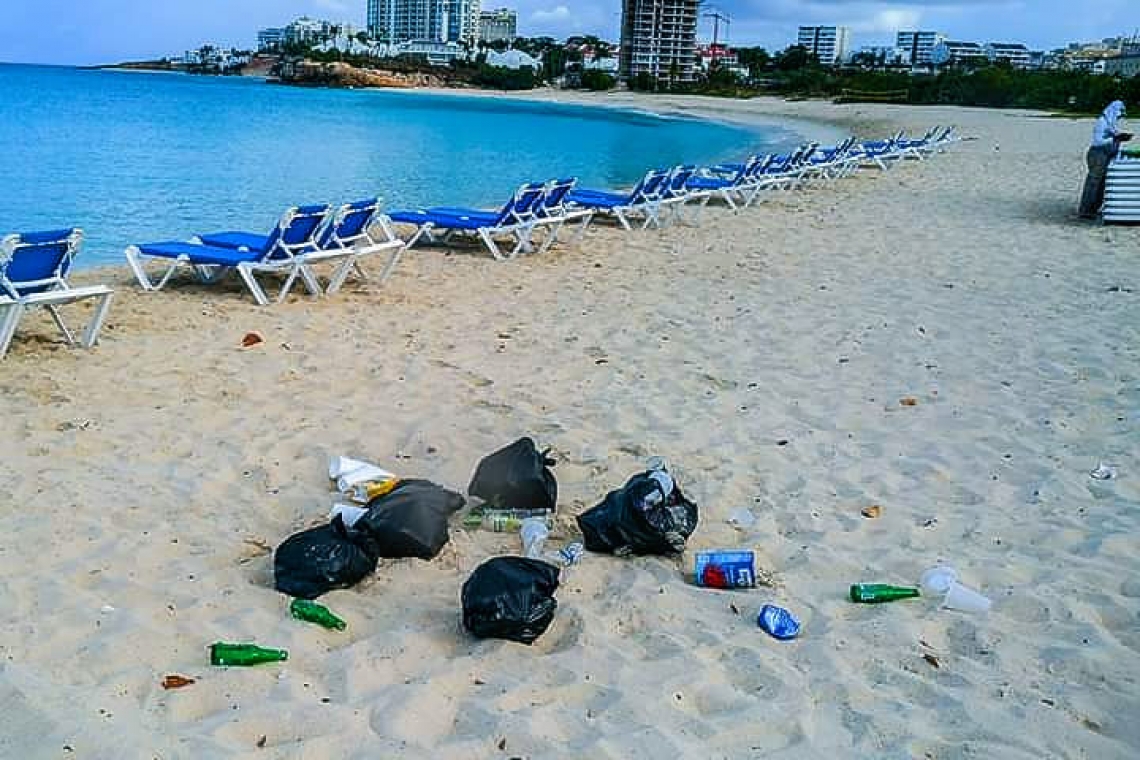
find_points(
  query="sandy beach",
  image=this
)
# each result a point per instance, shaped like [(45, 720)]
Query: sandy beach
[(766, 354)]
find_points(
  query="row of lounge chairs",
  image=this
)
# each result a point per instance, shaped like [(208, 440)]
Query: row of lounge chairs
[(34, 266)]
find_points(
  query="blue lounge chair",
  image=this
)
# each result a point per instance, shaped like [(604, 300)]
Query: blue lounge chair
[(729, 182), (554, 211), (212, 255), (643, 200), (515, 219), (33, 272), (355, 230)]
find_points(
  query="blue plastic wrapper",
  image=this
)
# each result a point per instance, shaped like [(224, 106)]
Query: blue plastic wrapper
[(778, 622)]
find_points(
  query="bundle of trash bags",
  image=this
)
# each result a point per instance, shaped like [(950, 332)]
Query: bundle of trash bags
[(408, 521)]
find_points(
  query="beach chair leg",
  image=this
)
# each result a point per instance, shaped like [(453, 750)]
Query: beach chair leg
[(397, 252), (581, 233), (492, 246), (423, 231), (91, 334), (620, 216), (9, 318), (312, 284), (347, 266), (255, 290), (551, 236), (59, 323)]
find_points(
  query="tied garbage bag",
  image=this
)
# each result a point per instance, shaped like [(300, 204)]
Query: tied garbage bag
[(309, 563), (640, 518), (510, 598), (410, 520), (516, 477)]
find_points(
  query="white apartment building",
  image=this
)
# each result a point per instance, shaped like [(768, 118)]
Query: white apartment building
[(919, 45), (829, 44), (395, 21), (659, 38), (1016, 54), (499, 25)]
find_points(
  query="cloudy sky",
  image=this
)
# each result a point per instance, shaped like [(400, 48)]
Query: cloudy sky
[(96, 31)]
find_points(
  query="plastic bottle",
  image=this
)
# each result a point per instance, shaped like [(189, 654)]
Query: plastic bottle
[(243, 655), (877, 593), (503, 520), (311, 612)]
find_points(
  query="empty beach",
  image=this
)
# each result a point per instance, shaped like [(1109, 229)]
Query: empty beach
[(945, 341)]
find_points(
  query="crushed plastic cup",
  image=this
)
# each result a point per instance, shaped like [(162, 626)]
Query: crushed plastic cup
[(533, 533), (942, 581), (965, 599), (1103, 472), (937, 580), (742, 518)]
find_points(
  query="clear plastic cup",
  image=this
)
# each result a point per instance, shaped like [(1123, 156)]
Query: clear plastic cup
[(965, 599), (534, 533), (937, 580)]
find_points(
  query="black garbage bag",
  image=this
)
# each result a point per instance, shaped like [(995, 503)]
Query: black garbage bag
[(410, 520), (510, 598), (516, 477), (309, 563), (635, 519)]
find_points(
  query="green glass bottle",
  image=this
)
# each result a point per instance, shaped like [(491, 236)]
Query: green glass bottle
[(244, 654), (311, 612), (877, 593)]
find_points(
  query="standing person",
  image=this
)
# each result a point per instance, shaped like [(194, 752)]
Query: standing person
[(1105, 145)]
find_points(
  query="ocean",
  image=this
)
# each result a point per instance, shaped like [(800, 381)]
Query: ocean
[(135, 156)]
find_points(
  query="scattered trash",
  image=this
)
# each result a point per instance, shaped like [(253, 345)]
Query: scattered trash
[(516, 477), (243, 655), (106, 609), (349, 513), (778, 622), (261, 741), (877, 593), (251, 339), (648, 515), (510, 598), (1103, 472), (943, 581), (533, 533), (734, 608), (908, 401), (409, 521), (742, 518), (871, 512), (176, 681), (309, 563), (931, 659), (502, 520), (728, 569), (362, 493), (311, 612), (571, 554), (347, 472)]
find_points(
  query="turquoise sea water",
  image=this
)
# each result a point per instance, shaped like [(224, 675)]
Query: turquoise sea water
[(132, 157)]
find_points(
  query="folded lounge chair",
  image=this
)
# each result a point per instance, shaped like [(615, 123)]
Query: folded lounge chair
[(212, 255), (33, 272), (643, 200), (516, 219)]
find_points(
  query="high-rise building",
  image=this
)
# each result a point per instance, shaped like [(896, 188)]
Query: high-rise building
[(659, 38), (394, 21), (919, 45), (499, 25), (827, 43)]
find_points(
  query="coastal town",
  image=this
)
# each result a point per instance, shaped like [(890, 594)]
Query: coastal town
[(405, 43)]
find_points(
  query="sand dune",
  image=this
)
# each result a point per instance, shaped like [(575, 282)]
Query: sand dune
[(765, 356)]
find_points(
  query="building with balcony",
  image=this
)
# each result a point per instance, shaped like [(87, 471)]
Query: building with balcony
[(395, 21), (659, 39), (919, 45), (1015, 54), (829, 44), (499, 25)]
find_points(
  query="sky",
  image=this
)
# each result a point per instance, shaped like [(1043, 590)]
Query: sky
[(104, 31)]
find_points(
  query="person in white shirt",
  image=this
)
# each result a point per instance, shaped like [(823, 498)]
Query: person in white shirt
[(1107, 137)]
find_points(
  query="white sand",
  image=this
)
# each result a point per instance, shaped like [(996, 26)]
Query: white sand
[(147, 475)]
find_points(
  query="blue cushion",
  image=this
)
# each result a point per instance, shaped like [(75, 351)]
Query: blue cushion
[(247, 240), (198, 254)]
